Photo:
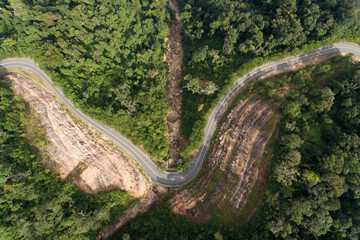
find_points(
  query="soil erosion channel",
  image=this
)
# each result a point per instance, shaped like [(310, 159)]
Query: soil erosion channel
[(174, 57)]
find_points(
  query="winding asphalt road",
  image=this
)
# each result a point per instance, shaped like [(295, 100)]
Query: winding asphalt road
[(170, 179)]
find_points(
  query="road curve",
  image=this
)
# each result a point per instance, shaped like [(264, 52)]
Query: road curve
[(170, 179)]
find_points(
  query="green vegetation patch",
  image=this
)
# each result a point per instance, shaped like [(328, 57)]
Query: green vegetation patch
[(311, 190), (160, 223)]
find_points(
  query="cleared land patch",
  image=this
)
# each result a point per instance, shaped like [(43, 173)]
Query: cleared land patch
[(77, 153)]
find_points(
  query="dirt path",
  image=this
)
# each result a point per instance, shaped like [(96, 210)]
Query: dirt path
[(174, 57)]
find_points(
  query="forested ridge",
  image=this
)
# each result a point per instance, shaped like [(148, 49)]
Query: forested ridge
[(106, 55), (34, 202)]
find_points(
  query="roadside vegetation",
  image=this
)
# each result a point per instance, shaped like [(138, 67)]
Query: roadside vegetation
[(225, 40), (312, 187), (34, 202)]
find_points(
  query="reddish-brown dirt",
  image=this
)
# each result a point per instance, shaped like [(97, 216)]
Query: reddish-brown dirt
[(174, 57)]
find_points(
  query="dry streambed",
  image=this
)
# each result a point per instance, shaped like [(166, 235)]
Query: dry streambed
[(174, 57), (232, 169), (79, 153)]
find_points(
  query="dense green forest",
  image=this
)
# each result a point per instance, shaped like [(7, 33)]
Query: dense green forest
[(106, 55), (228, 38), (108, 58), (34, 202), (318, 156), (313, 187)]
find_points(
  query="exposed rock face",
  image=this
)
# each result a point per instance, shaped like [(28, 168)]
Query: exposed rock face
[(77, 153), (231, 170), (174, 57)]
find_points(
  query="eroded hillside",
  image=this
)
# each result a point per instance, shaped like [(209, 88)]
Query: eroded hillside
[(78, 153), (232, 168)]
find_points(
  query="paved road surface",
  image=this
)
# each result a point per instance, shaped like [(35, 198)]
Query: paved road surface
[(177, 179)]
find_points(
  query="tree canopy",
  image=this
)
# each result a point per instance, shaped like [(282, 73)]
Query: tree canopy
[(314, 183), (106, 55)]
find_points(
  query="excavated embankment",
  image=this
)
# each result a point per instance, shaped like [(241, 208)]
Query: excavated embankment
[(77, 153), (232, 169)]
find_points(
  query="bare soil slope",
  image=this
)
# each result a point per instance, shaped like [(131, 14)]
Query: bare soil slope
[(232, 169), (78, 153)]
